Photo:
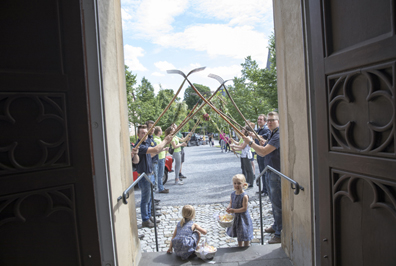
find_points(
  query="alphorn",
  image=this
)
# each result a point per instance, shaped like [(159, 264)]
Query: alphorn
[(170, 103), (206, 101), (195, 126), (183, 122), (229, 116), (219, 79)]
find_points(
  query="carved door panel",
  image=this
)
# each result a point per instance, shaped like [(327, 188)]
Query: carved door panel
[(47, 208), (353, 76)]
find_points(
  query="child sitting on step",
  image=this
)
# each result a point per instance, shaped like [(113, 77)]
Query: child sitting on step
[(186, 235)]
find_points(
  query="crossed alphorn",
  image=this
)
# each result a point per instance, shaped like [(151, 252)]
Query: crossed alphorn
[(170, 103), (205, 100), (219, 79)]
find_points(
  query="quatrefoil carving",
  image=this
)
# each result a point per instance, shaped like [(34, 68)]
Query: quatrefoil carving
[(383, 192), (34, 132), (56, 200), (362, 112)]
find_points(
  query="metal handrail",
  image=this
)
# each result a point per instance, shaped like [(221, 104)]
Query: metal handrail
[(125, 196), (296, 189)]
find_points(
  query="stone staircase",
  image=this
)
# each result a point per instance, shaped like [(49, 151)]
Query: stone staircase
[(267, 255)]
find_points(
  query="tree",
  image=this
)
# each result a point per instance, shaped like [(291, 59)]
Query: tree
[(263, 81), (142, 105), (191, 97), (256, 91), (130, 81)]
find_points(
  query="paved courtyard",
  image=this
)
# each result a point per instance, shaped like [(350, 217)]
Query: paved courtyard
[(208, 188)]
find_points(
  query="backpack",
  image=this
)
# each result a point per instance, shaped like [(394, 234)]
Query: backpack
[(171, 150)]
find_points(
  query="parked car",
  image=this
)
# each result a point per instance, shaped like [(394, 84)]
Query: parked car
[(216, 136), (196, 139)]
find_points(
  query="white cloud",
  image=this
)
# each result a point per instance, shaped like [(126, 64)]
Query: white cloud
[(156, 88), (225, 72), (164, 65), (157, 74), (216, 39), (237, 37), (195, 65), (150, 18), (131, 55), (125, 14), (236, 11)]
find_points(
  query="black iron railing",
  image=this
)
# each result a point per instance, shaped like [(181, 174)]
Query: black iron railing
[(125, 196), (294, 185)]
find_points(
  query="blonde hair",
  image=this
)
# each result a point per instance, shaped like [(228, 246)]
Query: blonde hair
[(241, 178), (188, 213)]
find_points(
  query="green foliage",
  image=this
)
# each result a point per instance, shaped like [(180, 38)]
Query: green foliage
[(144, 106), (130, 81), (191, 97), (175, 114), (133, 139)]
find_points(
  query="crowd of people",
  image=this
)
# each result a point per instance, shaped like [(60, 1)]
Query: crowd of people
[(264, 143)]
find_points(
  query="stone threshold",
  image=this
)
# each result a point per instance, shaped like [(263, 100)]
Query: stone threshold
[(269, 255)]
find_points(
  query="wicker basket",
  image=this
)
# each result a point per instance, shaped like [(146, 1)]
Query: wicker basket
[(204, 255), (226, 224)]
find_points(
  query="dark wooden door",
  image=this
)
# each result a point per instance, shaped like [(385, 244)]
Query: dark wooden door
[(352, 48), (47, 207)]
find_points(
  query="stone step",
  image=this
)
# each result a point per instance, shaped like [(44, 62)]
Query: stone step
[(270, 255)]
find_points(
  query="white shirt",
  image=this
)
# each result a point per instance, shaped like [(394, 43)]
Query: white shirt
[(246, 152)]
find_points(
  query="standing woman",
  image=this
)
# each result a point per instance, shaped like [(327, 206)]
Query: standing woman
[(228, 142), (222, 141), (161, 160), (176, 145), (245, 157)]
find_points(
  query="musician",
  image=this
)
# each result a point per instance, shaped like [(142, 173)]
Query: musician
[(271, 153), (145, 165)]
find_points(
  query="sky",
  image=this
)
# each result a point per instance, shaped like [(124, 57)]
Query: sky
[(160, 35)]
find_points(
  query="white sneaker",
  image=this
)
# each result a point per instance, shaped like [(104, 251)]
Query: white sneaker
[(178, 182)]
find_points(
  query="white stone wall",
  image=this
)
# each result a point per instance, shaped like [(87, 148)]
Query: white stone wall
[(117, 131), (297, 235)]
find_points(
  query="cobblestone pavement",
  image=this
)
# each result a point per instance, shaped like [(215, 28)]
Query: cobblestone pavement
[(208, 188), (204, 216)]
